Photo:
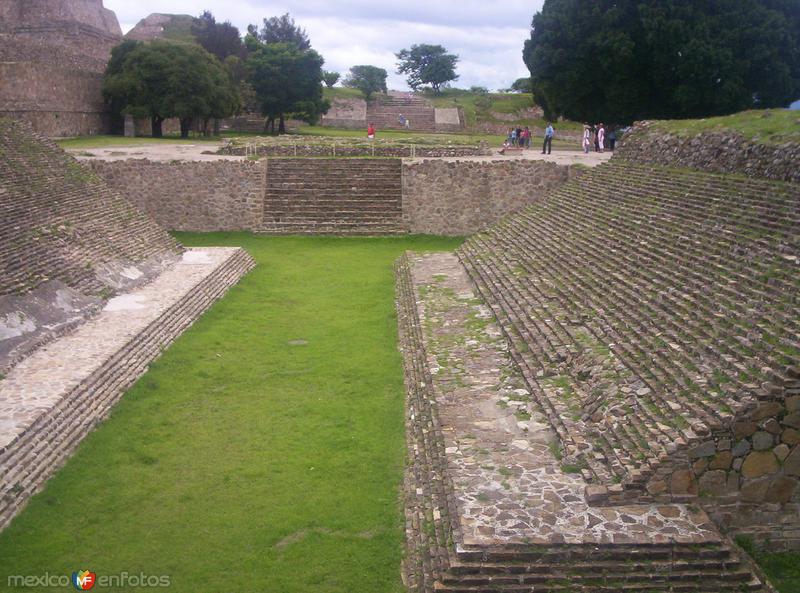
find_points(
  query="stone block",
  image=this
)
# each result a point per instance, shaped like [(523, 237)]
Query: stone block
[(763, 440), (706, 449), (760, 463), (721, 460), (790, 436), (780, 490), (743, 429), (781, 451), (772, 426), (791, 465), (755, 490), (793, 404), (713, 483), (595, 493), (792, 420), (741, 448), (682, 482), (765, 411)]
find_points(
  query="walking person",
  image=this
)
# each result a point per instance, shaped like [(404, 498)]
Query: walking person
[(513, 137), (587, 139), (549, 132), (601, 138), (612, 139), (527, 136), (371, 131)]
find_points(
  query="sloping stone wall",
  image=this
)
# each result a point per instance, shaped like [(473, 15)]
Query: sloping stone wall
[(191, 196), (67, 241), (463, 197), (717, 152)]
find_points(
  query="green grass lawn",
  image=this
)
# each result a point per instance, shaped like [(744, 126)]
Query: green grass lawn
[(782, 568), (771, 126), (241, 462)]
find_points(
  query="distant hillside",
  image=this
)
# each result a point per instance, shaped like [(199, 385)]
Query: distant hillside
[(491, 113), (176, 27)]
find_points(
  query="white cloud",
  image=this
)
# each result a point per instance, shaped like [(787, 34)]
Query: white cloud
[(487, 37)]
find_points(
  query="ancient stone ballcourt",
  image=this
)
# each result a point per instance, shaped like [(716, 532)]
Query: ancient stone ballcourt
[(602, 384)]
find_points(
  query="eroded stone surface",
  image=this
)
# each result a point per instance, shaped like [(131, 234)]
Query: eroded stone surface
[(39, 382), (509, 485)]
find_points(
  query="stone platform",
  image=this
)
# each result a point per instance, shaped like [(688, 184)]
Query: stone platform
[(490, 505), (52, 399)]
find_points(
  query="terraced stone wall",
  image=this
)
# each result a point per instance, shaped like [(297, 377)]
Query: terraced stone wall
[(463, 197), (67, 241), (191, 196), (719, 152), (52, 57)]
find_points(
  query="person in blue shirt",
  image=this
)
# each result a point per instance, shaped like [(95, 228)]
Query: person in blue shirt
[(548, 139)]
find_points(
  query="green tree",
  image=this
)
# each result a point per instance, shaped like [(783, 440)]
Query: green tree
[(522, 85), (219, 39), (429, 65), (162, 79), (330, 78), (622, 60), (286, 80), (281, 29), (367, 79)]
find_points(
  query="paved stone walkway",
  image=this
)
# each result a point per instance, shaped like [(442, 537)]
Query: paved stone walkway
[(39, 382), (502, 458), (196, 152)]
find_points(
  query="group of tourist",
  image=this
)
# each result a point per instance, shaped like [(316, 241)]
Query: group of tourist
[(519, 137), (596, 135)]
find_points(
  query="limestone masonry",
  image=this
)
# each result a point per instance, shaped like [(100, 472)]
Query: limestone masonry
[(720, 152), (91, 292), (67, 241), (340, 196), (52, 57)]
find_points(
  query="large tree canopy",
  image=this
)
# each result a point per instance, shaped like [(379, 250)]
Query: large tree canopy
[(287, 80), (161, 79), (621, 60), (281, 29), (367, 79), (427, 65), (219, 39)]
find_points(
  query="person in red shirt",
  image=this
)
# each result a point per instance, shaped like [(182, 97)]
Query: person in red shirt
[(371, 132)]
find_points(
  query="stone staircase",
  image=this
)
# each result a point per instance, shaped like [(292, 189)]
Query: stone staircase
[(333, 196), (646, 307), (676, 549), (383, 112)]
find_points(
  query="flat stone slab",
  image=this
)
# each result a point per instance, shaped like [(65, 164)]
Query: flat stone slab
[(39, 382), (502, 457)]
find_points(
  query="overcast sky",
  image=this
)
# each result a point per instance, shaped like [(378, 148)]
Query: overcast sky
[(487, 36)]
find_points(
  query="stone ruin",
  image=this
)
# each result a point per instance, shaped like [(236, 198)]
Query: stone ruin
[(91, 291), (604, 388), (52, 57)]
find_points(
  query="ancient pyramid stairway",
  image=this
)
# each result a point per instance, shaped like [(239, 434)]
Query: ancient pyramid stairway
[(645, 307), (333, 196), (383, 112), (488, 506)]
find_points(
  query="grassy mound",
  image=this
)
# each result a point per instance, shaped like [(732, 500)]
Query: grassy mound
[(770, 126)]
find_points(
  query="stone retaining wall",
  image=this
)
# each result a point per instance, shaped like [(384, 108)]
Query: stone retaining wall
[(463, 197), (191, 196), (443, 198), (717, 152)]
